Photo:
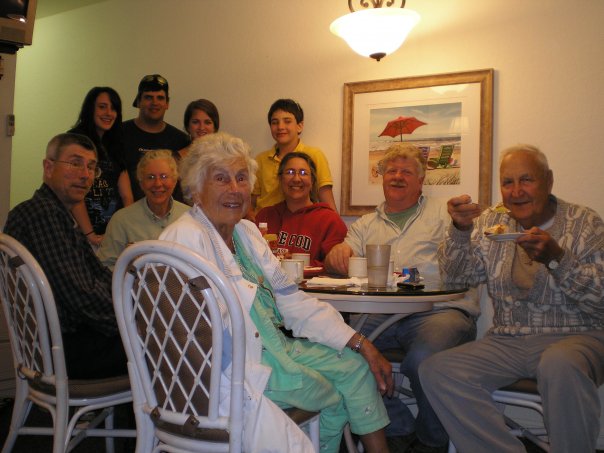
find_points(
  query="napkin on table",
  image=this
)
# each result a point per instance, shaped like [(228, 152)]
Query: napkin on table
[(352, 281), (328, 281)]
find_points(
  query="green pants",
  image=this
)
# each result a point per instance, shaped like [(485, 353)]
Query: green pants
[(340, 385)]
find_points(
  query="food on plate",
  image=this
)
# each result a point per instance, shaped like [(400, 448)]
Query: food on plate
[(496, 229)]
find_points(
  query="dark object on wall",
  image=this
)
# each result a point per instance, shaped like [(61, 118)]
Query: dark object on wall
[(16, 24)]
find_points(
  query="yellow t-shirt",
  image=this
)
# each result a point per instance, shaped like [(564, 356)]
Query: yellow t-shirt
[(268, 188)]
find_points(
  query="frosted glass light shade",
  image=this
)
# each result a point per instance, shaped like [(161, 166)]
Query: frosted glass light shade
[(375, 32)]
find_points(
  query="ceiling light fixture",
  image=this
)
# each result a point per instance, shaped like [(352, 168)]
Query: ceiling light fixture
[(375, 32)]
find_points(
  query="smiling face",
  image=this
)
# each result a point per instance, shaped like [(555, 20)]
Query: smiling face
[(104, 113), (296, 187), (225, 195), (158, 183), (402, 184), (69, 183), (200, 124), (152, 106), (525, 188), (285, 129)]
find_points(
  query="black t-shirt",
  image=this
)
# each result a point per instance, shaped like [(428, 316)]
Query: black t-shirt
[(137, 142), (104, 198)]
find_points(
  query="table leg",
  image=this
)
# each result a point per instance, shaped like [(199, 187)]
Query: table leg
[(383, 326)]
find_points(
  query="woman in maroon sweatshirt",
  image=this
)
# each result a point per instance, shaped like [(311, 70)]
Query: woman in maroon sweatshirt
[(301, 224)]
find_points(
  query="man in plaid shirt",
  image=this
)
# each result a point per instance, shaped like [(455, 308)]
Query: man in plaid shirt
[(80, 283)]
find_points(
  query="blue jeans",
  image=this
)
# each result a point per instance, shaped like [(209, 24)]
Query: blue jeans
[(420, 336)]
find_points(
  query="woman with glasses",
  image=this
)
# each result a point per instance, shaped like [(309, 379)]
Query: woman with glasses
[(302, 224), (100, 119), (157, 175), (324, 365)]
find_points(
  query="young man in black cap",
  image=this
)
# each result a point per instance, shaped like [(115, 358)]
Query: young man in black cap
[(149, 131)]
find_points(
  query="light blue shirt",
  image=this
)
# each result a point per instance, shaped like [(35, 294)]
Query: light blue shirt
[(413, 246)]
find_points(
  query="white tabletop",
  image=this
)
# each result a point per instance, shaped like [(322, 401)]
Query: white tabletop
[(357, 300), (398, 304)]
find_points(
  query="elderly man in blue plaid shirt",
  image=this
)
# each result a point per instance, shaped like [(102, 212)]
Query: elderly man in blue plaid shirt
[(80, 283)]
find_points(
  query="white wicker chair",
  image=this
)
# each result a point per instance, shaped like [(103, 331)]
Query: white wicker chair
[(37, 347), (523, 393), (166, 300)]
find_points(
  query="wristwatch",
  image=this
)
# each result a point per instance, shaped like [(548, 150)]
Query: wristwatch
[(555, 262)]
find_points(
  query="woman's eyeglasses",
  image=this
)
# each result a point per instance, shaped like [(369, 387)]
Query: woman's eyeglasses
[(292, 172)]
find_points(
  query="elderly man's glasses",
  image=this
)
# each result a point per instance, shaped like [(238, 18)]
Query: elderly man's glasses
[(79, 166), (291, 172)]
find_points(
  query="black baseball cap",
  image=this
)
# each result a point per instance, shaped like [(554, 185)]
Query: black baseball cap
[(151, 82)]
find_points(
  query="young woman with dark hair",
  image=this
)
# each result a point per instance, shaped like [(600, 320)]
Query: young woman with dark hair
[(100, 119)]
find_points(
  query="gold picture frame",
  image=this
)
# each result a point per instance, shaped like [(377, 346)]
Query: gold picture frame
[(464, 98)]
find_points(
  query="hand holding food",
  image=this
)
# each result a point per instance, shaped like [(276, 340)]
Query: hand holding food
[(463, 211)]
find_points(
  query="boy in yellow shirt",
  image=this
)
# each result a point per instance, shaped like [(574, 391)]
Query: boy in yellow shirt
[(286, 120)]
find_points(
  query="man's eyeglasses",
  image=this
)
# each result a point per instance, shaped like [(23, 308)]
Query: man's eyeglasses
[(162, 177), (154, 78), (80, 166), (292, 172)]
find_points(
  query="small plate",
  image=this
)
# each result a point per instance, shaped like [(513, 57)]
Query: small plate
[(504, 236), (313, 271)]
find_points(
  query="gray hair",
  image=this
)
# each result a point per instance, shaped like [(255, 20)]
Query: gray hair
[(59, 142), (531, 150), (165, 154), (404, 151), (209, 151)]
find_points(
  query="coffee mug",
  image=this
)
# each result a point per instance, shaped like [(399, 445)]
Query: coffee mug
[(302, 256), (357, 267), (294, 269)]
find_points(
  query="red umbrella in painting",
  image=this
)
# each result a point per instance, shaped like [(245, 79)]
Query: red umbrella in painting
[(401, 125)]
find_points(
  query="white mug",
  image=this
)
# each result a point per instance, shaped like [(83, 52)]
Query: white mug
[(302, 256), (294, 269), (357, 267)]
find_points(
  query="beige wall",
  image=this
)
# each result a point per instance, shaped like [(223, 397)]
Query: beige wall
[(243, 55)]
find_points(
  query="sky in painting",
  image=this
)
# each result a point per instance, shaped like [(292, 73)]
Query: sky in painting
[(439, 119)]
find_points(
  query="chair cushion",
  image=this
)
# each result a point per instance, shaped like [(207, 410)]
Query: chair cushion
[(86, 388), (207, 434), (522, 386), (299, 416)]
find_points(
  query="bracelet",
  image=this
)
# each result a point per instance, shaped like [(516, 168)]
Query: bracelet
[(89, 233), (359, 343)]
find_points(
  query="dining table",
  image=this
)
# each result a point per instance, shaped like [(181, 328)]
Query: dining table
[(396, 301)]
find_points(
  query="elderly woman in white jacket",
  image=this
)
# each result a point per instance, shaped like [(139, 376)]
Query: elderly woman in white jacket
[(299, 351)]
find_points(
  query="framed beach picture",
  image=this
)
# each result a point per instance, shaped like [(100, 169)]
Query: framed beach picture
[(448, 116)]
